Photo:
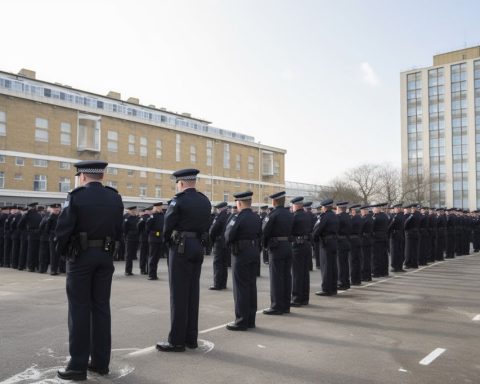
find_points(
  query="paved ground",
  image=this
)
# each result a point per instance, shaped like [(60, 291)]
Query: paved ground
[(377, 333)]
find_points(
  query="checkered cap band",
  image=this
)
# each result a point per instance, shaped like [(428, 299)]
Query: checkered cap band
[(91, 170)]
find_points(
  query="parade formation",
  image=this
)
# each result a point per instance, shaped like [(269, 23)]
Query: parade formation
[(349, 242)]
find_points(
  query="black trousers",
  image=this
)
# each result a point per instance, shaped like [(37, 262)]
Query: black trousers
[(355, 261), (184, 276), (244, 281), (18, 256), (301, 254), (89, 281), (2, 250), (316, 254), (120, 251), (54, 257), (156, 249), (328, 265), (131, 254), (43, 256), (380, 257), (396, 251), (343, 266), (280, 267), (440, 247), (366, 260), (7, 252), (143, 262), (450, 246), (411, 251), (220, 266), (433, 247), (423, 249), (33, 245)]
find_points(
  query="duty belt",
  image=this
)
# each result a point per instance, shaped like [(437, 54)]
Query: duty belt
[(96, 243), (244, 243), (328, 237), (342, 237), (187, 235), (354, 236), (280, 238)]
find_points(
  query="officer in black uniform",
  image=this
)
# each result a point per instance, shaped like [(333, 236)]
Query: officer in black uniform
[(355, 259), (380, 241), (186, 230), (367, 242), (301, 253), (243, 234), (86, 232), (19, 237), (396, 239), (441, 235), (307, 206), (143, 236), (232, 211), (433, 230), (325, 233), (29, 224), (7, 238), (412, 223), (5, 211), (344, 230), (424, 238), (277, 229), (130, 232), (50, 229), (263, 214), (44, 249), (217, 238), (154, 227)]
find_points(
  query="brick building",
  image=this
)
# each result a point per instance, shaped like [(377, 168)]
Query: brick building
[(46, 127)]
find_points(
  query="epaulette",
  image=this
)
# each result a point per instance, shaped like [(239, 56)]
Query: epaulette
[(179, 194), (202, 194), (76, 190), (113, 189)]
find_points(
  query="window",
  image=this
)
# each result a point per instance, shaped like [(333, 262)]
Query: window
[(143, 173), (40, 183), (89, 133), (112, 184), (251, 164), (129, 186), (2, 180), (143, 190), (238, 162), (225, 196), (193, 154), (41, 129), (208, 181), (158, 191), (158, 152), (2, 158), (18, 176), (20, 161), (267, 163), (65, 134), (3, 123), (112, 171), (276, 168), (226, 156), (158, 176), (209, 152), (178, 143), (64, 165), (131, 144), (112, 142), (64, 184), (143, 146), (40, 163), (130, 173)]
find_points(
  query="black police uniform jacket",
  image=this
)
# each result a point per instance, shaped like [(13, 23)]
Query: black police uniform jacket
[(154, 227), (277, 224)]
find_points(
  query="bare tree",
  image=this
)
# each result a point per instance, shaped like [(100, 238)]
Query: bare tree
[(389, 184), (416, 188), (341, 189), (365, 180)]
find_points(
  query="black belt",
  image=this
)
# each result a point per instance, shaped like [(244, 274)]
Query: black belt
[(354, 236), (328, 237), (343, 237), (301, 237), (280, 238), (96, 243), (186, 234), (244, 243)]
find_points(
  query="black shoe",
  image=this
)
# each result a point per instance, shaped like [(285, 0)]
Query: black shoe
[(214, 288), (251, 326), (152, 278), (165, 346), (271, 311), (192, 345), (359, 283), (68, 374), (144, 273), (128, 274), (53, 273), (294, 304), (235, 327), (343, 287), (376, 275), (100, 371), (320, 293), (304, 303)]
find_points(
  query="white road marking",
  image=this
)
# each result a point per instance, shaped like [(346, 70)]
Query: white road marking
[(212, 329), (261, 346), (205, 345), (476, 318), (143, 351), (402, 370), (432, 356)]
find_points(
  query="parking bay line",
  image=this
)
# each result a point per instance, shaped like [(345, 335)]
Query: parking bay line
[(431, 356), (476, 318)]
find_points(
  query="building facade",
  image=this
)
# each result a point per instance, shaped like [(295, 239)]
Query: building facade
[(440, 119), (45, 128)]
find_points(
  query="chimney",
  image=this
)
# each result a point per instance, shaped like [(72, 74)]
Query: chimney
[(114, 95), (133, 100), (28, 73)]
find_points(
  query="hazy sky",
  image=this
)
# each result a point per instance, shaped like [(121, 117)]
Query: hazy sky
[(317, 78)]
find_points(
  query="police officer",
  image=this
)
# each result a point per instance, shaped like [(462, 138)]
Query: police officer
[(355, 259), (396, 239), (44, 249), (19, 254), (154, 227), (344, 230), (380, 239), (232, 211), (5, 212), (87, 229), (411, 225), (143, 236), (367, 242), (186, 224), (325, 233), (29, 224), (130, 232), (220, 251), (424, 238), (441, 234), (243, 234), (277, 229), (301, 253), (307, 206), (50, 229)]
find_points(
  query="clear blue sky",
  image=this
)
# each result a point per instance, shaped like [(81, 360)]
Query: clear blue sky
[(317, 78)]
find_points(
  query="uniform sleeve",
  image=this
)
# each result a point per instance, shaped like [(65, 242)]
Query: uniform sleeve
[(267, 226), (65, 225), (231, 229), (170, 220)]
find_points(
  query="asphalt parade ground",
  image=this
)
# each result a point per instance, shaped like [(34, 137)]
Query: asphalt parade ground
[(417, 327)]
